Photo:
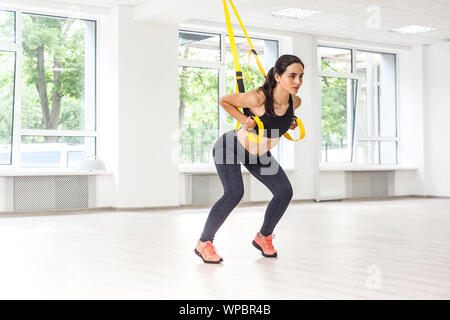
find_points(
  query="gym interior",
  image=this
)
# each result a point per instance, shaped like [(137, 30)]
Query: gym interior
[(109, 110)]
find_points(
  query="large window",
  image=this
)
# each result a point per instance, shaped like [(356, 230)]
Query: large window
[(7, 73), (47, 90), (376, 117), (206, 72), (358, 106)]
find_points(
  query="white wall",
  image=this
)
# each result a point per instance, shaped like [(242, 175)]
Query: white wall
[(437, 116), (108, 97), (147, 111), (302, 175), (411, 121), (302, 178)]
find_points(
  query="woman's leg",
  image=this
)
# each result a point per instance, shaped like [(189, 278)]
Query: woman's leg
[(273, 177), (233, 186)]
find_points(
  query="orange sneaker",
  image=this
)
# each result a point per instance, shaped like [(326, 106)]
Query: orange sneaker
[(207, 252), (264, 244)]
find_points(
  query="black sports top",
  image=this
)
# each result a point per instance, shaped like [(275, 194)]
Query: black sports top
[(282, 123)]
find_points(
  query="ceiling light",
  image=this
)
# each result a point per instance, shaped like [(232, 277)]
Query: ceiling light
[(294, 13), (412, 29)]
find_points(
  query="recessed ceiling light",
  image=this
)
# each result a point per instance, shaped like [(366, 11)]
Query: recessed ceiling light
[(295, 13), (412, 29)]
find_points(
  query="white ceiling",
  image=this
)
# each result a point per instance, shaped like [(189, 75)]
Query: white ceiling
[(340, 18)]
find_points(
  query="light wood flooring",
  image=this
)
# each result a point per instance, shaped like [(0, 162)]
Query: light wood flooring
[(389, 249)]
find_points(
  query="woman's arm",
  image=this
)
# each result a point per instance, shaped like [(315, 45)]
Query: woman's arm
[(297, 102), (249, 100)]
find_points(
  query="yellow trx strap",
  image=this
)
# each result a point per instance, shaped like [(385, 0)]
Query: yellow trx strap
[(239, 81), (300, 127)]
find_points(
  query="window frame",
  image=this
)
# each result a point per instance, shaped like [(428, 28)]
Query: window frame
[(353, 74), (17, 131), (221, 67)]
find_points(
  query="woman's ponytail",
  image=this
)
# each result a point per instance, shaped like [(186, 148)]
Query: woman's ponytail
[(267, 88)]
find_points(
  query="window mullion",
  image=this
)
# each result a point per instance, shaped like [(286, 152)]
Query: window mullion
[(354, 71), (378, 139), (397, 121), (198, 64), (331, 74), (354, 105), (222, 84), (355, 96), (17, 112)]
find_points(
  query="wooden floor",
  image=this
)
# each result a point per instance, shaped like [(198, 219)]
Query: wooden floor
[(390, 249)]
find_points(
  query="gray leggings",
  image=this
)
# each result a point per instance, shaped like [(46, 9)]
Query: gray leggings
[(228, 154)]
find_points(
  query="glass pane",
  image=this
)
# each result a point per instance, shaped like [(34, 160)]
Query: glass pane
[(376, 152), (7, 26), (199, 46), (198, 113), (377, 112), (267, 54), (55, 152), (58, 87), (7, 73), (367, 152), (364, 122), (388, 152), (335, 59), (337, 101)]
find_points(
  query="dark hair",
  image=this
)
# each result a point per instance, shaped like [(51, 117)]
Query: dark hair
[(280, 67)]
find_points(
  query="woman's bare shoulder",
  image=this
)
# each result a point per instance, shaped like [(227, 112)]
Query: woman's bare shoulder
[(257, 98), (250, 99), (253, 100), (297, 101)]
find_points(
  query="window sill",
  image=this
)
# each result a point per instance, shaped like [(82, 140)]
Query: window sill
[(343, 167), (212, 170), (50, 172)]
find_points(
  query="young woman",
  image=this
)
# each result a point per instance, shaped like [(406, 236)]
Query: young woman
[(274, 103)]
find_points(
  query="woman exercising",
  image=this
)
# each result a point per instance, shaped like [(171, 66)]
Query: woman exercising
[(274, 103)]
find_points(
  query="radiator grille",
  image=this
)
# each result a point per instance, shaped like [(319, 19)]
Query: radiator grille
[(53, 192)]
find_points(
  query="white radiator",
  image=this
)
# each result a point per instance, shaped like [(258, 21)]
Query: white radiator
[(38, 193)]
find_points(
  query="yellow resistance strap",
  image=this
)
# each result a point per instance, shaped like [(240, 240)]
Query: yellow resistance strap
[(300, 127), (239, 81)]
